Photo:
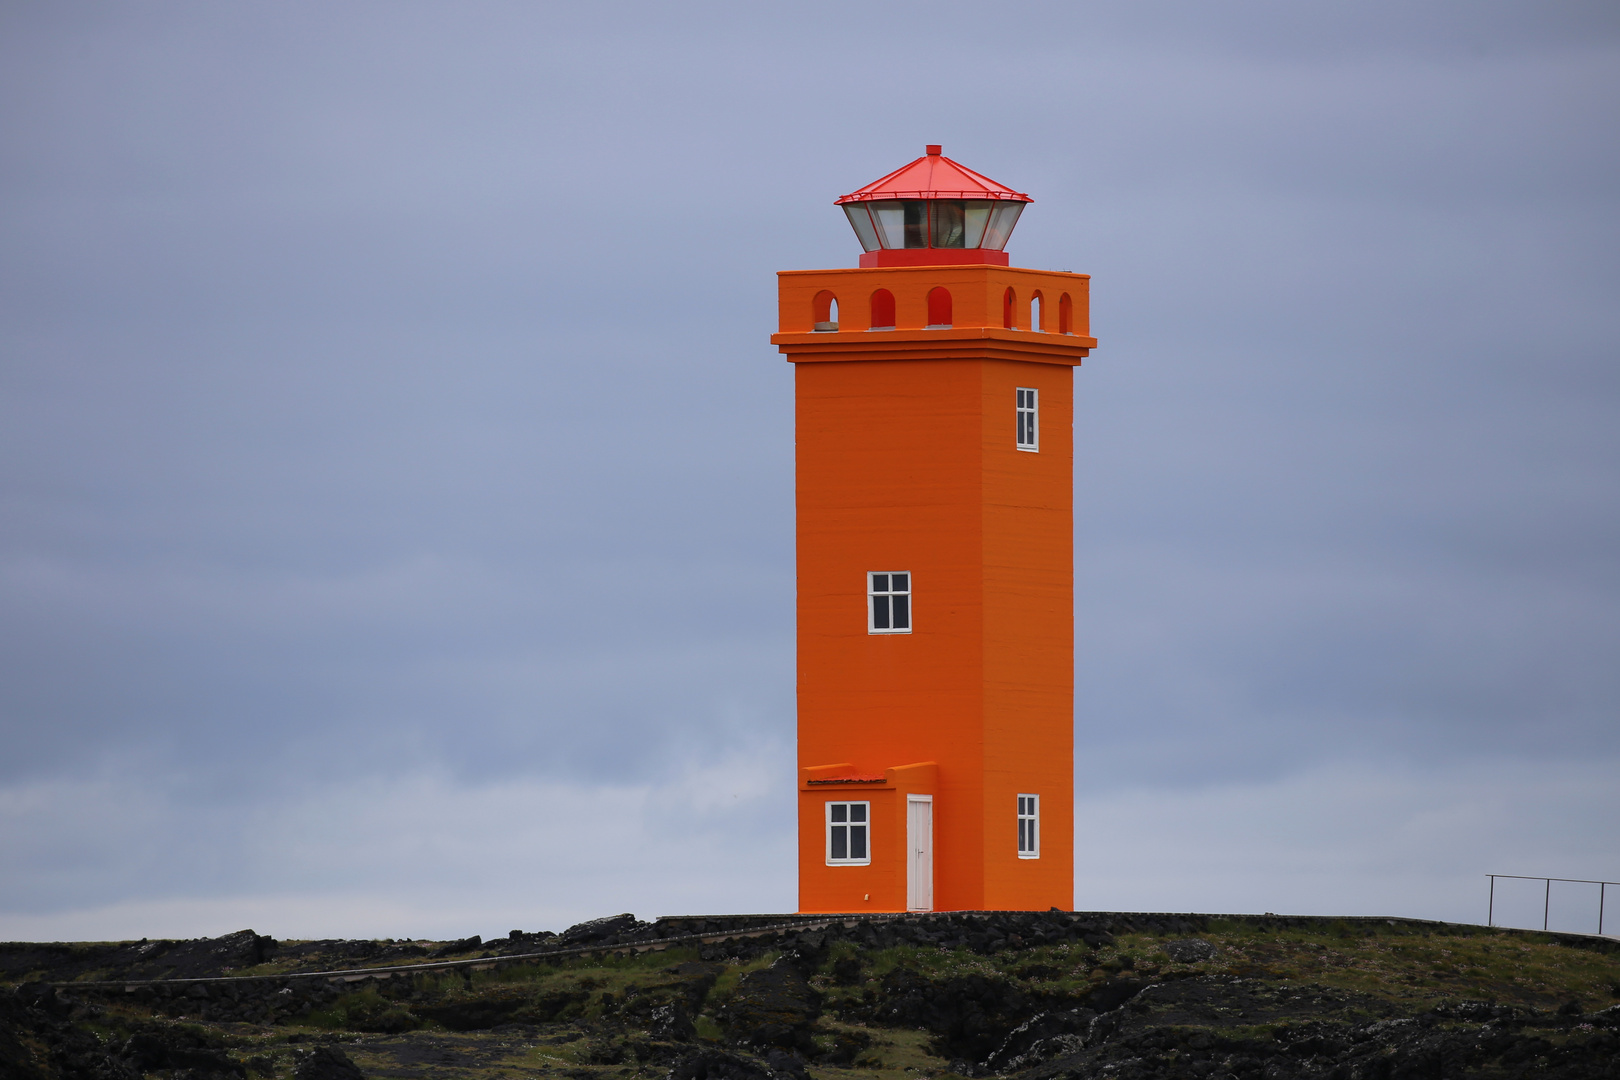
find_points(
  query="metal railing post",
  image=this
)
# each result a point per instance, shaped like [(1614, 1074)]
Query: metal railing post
[(1546, 896)]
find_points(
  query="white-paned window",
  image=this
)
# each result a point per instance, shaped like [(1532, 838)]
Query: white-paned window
[(888, 602), (848, 838), (1029, 420), (1029, 826)]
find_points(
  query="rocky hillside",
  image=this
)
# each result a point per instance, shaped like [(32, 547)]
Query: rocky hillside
[(1035, 996)]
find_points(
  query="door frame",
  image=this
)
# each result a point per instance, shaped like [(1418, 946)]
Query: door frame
[(911, 853)]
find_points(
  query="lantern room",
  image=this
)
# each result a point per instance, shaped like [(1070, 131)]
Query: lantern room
[(933, 212)]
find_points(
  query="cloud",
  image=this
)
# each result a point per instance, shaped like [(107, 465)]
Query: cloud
[(426, 855), (386, 406), (413, 854), (1355, 840)]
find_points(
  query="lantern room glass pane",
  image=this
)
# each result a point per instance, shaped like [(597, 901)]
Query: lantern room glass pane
[(975, 216), (889, 215), (916, 223), (862, 223), (947, 225), (1002, 220)]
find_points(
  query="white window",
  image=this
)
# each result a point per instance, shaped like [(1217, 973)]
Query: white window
[(1029, 826), (1029, 426), (848, 843), (888, 602)]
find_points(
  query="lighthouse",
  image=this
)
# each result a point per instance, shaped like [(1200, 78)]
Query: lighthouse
[(933, 409)]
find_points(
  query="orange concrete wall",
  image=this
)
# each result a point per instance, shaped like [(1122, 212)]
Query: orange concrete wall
[(889, 479), (909, 464), (976, 295), (1028, 544), (880, 886)]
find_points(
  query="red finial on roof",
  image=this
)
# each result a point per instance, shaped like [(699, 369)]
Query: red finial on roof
[(933, 149)]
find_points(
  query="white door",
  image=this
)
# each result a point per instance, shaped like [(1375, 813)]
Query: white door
[(919, 853)]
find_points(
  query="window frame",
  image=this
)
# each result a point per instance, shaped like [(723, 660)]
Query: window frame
[(1033, 411), (866, 824), (872, 594), (1032, 831)]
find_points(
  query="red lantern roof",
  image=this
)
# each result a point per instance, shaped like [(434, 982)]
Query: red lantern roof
[(934, 176)]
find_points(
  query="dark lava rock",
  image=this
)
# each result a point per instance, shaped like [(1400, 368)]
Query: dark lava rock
[(604, 1051), (1110, 994), (464, 945), (722, 1065), (698, 979), (848, 971), (846, 1047), (382, 1018), (969, 1016), (775, 1007), (1043, 1036), (520, 941), (1207, 1027), (1222, 1001), (178, 1048), (1189, 950), (199, 958), (45, 999), (326, 1063), (600, 931), (805, 951), (1008, 1015), (16, 1060), (665, 1012), (784, 1064), (501, 1005), (670, 1023)]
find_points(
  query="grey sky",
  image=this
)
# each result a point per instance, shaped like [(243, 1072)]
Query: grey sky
[(395, 477)]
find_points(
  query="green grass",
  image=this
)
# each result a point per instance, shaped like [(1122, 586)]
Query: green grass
[(1400, 963), (1408, 966)]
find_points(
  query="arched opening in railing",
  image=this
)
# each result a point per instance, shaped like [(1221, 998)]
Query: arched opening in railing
[(1065, 314), (1008, 299), (1037, 313), (824, 311), (939, 308), (883, 310)]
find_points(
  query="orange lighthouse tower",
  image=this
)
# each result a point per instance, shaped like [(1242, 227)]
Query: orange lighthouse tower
[(933, 406)]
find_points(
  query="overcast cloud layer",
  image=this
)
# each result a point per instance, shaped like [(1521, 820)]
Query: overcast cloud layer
[(396, 478)]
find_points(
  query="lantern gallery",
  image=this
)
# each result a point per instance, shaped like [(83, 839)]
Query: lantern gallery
[(934, 463)]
